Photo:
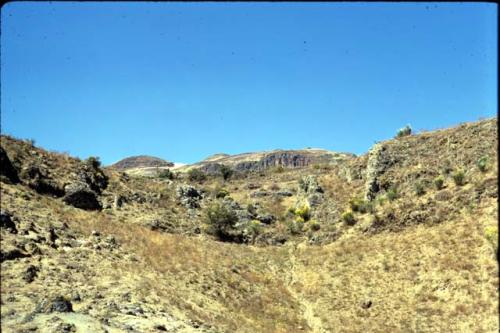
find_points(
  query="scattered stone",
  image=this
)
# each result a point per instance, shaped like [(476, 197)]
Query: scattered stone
[(55, 304), (259, 194), (284, 193), (11, 254)]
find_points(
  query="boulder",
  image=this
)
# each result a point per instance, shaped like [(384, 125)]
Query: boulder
[(80, 195), (8, 173), (189, 196), (55, 304)]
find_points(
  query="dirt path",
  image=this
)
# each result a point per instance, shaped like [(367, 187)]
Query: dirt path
[(313, 321)]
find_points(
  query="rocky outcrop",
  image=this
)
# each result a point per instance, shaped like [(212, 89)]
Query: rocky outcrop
[(80, 195), (378, 162), (93, 176), (189, 196), (309, 191), (7, 172), (36, 177)]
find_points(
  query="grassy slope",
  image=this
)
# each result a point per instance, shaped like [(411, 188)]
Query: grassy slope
[(439, 276)]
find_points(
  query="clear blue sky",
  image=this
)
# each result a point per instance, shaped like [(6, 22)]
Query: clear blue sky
[(182, 81)]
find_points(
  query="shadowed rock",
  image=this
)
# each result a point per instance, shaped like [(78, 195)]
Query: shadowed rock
[(7, 171), (80, 195)]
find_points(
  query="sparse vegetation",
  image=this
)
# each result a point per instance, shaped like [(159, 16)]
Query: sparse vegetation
[(482, 164), (303, 211), (94, 162), (221, 220), (392, 193), (348, 218), (360, 205), (166, 174), (196, 175), (419, 189), (221, 193), (405, 131), (439, 182), (459, 177), (226, 172)]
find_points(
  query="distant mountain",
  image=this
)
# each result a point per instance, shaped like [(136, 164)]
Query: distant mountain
[(141, 161), (267, 159)]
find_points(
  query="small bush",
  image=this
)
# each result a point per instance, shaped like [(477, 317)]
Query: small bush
[(166, 174), (93, 161), (482, 163), (348, 218), (439, 182), (221, 193), (459, 177), (360, 205), (491, 234), (221, 220), (419, 189), (226, 172), (314, 225), (196, 175), (296, 226), (405, 131), (303, 211), (278, 169), (392, 193), (252, 230)]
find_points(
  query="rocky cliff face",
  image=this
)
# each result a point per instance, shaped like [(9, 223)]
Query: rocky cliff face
[(260, 161)]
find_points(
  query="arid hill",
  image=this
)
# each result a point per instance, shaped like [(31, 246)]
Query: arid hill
[(142, 161), (401, 239)]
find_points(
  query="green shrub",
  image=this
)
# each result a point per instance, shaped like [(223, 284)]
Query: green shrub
[(296, 226), (482, 163), (459, 177), (304, 211), (360, 205), (392, 193), (221, 220), (93, 161), (419, 189), (166, 174), (226, 172), (348, 218), (252, 230), (491, 234), (439, 182), (196, 175), (314, 225), (221, 193), (405, 131)]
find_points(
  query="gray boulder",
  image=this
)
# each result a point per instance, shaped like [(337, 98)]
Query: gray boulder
[(189, 196)]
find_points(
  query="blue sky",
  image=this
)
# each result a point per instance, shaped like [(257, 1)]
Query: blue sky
[(183, 81)]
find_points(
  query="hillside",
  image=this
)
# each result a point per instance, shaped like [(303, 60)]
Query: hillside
[(401, 239), (141, 161)]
